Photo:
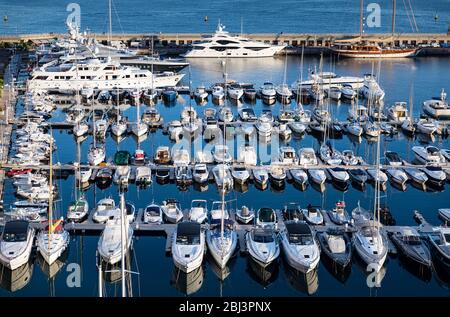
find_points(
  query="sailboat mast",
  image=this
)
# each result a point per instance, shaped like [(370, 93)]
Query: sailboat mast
[(50, 190), (394, 4), (361, 19), (110, 23), (122, 244)]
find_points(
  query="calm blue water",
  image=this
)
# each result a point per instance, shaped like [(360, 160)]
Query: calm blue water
[(157, 276), (298, 16)]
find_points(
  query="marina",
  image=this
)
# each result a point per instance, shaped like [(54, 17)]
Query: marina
[(226, 175)]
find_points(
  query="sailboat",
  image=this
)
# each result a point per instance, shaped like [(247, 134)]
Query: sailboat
[(97, 153), (370, 244), (79, 208), (408, 124), (116, 238), (139, 128), (54, 239), (120, 126), (283, 90), (221, 237)]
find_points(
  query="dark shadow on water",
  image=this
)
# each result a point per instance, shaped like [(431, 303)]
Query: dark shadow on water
[(17, 279), (187, 283), (339, 273), (263, 275), (305, 283)]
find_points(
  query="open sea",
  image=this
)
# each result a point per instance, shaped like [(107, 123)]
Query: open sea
[(157, 276)]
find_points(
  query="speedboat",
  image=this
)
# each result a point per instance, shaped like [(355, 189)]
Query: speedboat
[(152, 118), (428, 155), (180, 156), (16, 243), (348, 92), (153, 214), (337, 246), (245, 215), (409, 242), (334, 93), (218, 93), (106, 208), (283, 131), (175, 130), (52, 241), (339, 214), (264, 126), (439, 242), (307, 158), (435, 174), (218, 211), (268, 92), (358, 176), (225, 115), (277, 175), (247, 115), (300, 247), (188, 246), (171, 210), (299, 176), (199, 210), (139, 157), (354, 128), (292, 212), (437, 107), (240, 174), (110, 243), (262, 245), (426, 126), (313, 215), (261, 177), (200, 173), (235, 91), (444, 214), (104, 175), (222, 176), (122, 175), (200, 93), (183, 175), (266, 218), (287, 155), (78, 210), (162, 155), (371, 89), (408, 126), (416, 175), (398, 112), (247, 155), (80, 129), (371, 245), (284, 93)]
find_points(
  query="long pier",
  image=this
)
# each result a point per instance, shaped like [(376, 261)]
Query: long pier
[(293, 39)]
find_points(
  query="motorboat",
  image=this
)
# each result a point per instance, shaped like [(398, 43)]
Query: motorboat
[(277, 175), (162, 155), (101, 127), (338, 214), (188, 246), (175, 130), (292, 212), (435, 174), (200, 173), (245, 215), (261, 177), (104, 175), (339, 175), (183, 175), (139, 157), (264, 126), (299, 176), (223, 44), (169, 95), (397, 174), (371, 90), (218, 93), (334, 93), (225, 115), (409, 242), (446, 154), (222, 176), (105, 209), (287, 155), (122, 175), (408, 126), (240, 174), (439, 242), (153, 214), (427, 126), (428, 155), (307, 158), (152, 118), (313, 215), (398, 112), (222, 154), (358, 176), (297, 127), (348, 92), (354, 128), (321, 115), (180, 156), (284, 93), (218, 211), (262, 244), (247, 115), (78, 210), (268, 92), (200, 93), (416, 175), (337, 246), (199, 210), (444, 214), (250, 94), (235, 91), (349, 158), (171, 210), (143, 176), (437, 107), (16, 243), (300, 248), (266, 218), (80, 129)]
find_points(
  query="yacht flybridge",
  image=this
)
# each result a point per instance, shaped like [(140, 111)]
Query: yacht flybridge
[(97, 74), (222, 44)]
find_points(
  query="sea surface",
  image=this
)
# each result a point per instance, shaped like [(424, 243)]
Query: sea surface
[(157, 275), (181, 16)]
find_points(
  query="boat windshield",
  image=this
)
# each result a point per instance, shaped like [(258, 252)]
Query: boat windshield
[(447, 237), (263, 237), (303, 239), (15, 231), (153, 211)]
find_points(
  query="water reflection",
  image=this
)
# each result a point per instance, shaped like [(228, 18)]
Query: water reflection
[(187, 283), (305, 283), (17, 279), (263, 275)]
